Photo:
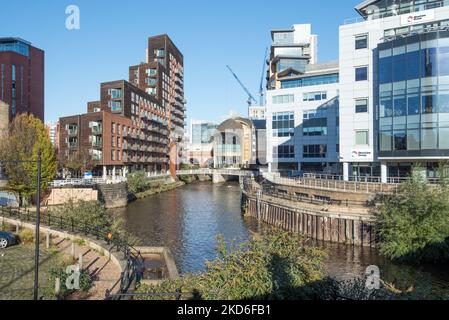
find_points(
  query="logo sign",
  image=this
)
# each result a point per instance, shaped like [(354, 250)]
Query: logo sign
[(408, 19), (88, 175), (359, 154)]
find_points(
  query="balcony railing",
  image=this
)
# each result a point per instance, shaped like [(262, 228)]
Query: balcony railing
[(73, 132), (97, 130)]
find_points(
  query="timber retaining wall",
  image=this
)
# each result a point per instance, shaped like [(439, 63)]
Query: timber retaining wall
[(324, 226)]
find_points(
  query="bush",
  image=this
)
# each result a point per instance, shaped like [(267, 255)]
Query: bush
[(26, 236), (274, 266), (85, 282), (137, 182), (413, 223)]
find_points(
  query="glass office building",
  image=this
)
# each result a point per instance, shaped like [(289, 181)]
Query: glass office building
[(413, 103)]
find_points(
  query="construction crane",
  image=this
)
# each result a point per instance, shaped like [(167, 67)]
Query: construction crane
[(261, 91), (250, 96)]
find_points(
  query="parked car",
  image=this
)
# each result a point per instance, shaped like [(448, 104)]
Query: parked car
[(7, 239)]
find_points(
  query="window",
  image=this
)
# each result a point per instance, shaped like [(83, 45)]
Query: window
[(315, 96), (400, 140), (115, 93), (284, 152), (286, 98), (361, 42), (115, 105), (283, 124), (310, 81), (315, 151), (315, 114), (361, 105), (361, 74), (315, 131), (361, 138)]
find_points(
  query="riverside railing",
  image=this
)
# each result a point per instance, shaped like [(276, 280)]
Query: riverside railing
[(132, 256), (331, 184)]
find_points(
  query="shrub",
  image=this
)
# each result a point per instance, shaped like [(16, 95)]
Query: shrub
[(274, 266), (137, 182), (413, 223), (26, 236)]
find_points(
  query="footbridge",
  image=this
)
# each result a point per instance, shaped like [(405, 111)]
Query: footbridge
[(219, 175)]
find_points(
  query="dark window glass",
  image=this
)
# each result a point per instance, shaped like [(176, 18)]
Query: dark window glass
[(413, 104), (361, 42), (361, 74), (399, 68), (429, 103), (385, 70), (361, 106), (412, 65), (400, 140), (429, 63)]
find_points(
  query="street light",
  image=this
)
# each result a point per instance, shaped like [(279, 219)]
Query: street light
[(38, 220)]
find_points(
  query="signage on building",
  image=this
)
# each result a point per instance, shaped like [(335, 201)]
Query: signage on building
[(418, 17), (362, 154)]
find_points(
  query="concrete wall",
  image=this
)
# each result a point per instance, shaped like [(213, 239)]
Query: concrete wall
[(63, 195)]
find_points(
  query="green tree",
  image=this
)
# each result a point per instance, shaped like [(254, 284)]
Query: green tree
[(24, 140), (413, 223)]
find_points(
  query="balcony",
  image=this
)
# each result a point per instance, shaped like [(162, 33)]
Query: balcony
[(73, 145), (73, 132), (97, 130), (97, 144)]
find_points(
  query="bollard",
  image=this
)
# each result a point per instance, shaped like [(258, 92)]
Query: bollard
[(57, 286), (48, 240), (80, 261), (73, 250)]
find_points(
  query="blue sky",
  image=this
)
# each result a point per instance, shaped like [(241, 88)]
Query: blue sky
[(210, 33)]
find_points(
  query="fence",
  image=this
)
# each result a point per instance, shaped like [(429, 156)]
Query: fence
[(133, 258)]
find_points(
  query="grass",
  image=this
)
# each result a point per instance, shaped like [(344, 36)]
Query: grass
[(17, 271)]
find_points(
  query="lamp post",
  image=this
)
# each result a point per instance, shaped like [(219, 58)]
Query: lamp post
[(37, 233)]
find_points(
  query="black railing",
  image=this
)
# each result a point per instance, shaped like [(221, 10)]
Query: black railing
[(131, 255)]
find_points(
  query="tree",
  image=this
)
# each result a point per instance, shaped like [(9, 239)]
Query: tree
[(79, 162), (24, 140), (413, 223)]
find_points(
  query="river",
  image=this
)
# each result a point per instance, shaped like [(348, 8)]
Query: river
[(188, 220)]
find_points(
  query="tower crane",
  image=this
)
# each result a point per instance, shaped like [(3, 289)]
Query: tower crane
[(261, 91), (250, 96)]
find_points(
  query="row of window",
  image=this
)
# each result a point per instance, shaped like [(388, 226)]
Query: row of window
[(285, 98), (309, 151), (315, 96), (415, 139), (310, 81)]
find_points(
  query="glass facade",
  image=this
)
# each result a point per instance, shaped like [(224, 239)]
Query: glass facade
[(310, 81), (14, 45), (414, 96), (283, 124), (203, 133), (388, 8), (296, 64)]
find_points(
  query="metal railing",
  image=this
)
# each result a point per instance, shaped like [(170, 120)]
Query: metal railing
[(232, 172), (131, 272)]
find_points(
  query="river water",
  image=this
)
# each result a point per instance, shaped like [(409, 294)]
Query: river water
[(188, 220)]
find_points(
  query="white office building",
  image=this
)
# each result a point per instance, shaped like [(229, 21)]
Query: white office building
[(394, 88), (391, 93), (302, 106)]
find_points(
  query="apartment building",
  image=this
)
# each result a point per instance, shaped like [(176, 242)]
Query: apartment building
[(136, 124), (21, 77), (394, 88), (302, 110), (162, 76)]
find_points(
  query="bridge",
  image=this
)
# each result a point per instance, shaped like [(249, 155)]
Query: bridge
[(219, 175)]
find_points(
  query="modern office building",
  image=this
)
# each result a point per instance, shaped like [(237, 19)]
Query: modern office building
[(199, 149), (302, 108), (394, 88), (134, 125), (21, 77), (291, 50), (162, 76), (240, 143), (257, 112)]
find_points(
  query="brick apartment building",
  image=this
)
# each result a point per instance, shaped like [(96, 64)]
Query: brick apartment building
[(21, 78), (136, 125)]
